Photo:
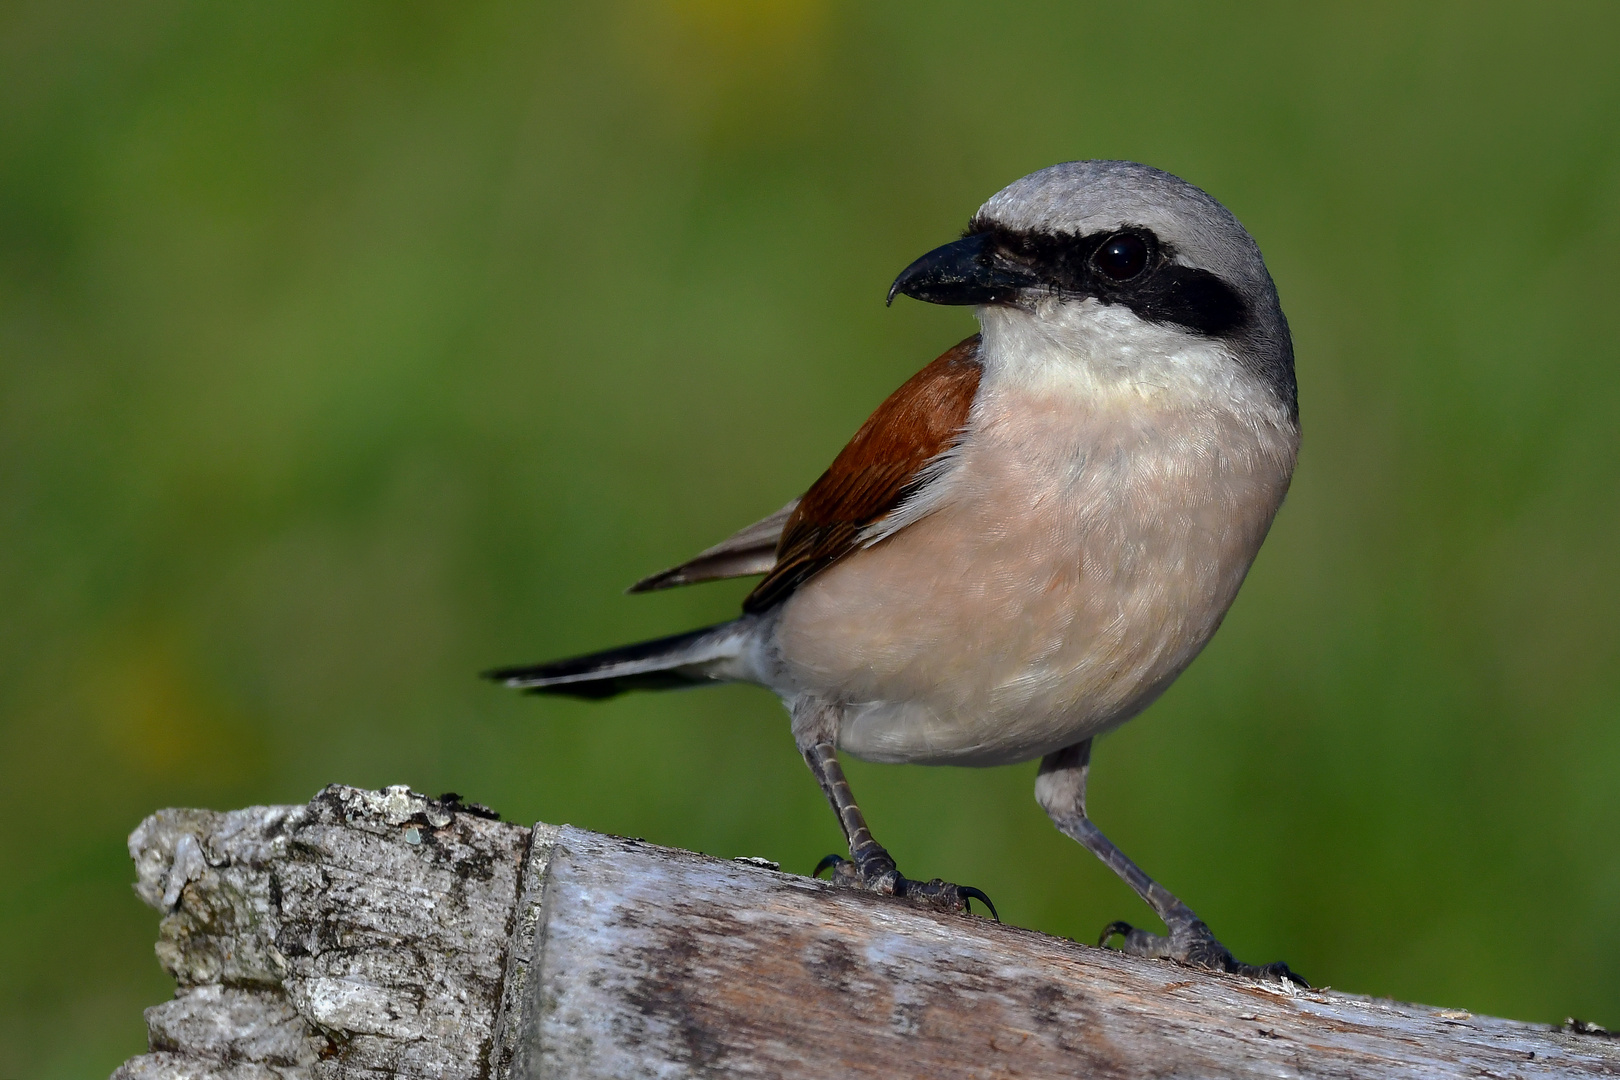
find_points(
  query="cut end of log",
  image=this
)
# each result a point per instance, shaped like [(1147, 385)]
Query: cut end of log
[(384, 933), (367, 932)]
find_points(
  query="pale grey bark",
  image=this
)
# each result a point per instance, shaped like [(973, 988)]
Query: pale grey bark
[(366, 934), (378, 934)]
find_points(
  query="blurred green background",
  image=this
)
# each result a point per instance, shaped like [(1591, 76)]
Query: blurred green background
[(348, 348)]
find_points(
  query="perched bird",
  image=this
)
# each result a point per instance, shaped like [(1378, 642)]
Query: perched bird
[(1032, 537)]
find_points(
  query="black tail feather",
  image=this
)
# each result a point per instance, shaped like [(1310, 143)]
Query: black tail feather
[(660, 664)]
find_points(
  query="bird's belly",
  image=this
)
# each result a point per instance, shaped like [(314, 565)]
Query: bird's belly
[(1035, 608)]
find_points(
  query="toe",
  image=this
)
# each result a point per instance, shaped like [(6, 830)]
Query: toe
[(1194, 946), (1278, 972), (937, 893), (882, 878), (844, 872), (1134, 941)]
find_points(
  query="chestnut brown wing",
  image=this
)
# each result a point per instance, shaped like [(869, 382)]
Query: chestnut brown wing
[(875, 472)]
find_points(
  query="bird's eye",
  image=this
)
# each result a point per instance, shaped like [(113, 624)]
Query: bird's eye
[(1122, 257)]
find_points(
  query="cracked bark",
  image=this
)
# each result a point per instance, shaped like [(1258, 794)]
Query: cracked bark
[(373, 934)]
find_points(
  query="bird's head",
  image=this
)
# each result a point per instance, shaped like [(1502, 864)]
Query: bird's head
[(1083, 236)]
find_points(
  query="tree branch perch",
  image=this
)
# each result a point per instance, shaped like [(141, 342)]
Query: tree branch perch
[(373, 934)]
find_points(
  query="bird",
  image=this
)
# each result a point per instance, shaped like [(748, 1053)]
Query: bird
[(1029, 540)]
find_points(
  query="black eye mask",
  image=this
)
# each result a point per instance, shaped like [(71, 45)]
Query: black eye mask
[(1128, 266)]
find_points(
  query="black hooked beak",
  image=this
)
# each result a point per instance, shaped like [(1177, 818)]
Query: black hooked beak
[(965, 272)]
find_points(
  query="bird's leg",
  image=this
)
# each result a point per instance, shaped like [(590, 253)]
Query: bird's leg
[(869, 866), (1061, 790)]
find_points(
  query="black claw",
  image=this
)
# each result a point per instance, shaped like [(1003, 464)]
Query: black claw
[(970, 893), (1118, 926), (826, 864)]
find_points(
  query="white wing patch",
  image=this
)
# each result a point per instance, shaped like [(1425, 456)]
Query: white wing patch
[(931, 488)]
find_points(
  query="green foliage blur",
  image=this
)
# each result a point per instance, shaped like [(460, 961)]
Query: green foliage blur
[(349, 348)]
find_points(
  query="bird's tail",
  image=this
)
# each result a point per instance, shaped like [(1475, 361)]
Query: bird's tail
[(699, 656)]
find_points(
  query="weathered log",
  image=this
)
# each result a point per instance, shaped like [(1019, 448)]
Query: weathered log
[(386, 934)]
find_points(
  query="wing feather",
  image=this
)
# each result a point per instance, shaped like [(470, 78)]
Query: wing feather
[(750, 551), (884, 464)]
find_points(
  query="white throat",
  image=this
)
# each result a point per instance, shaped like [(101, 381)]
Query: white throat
[(1107, 354)]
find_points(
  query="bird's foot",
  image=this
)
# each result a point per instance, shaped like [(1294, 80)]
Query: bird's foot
[(880, 876), (1190, 942)]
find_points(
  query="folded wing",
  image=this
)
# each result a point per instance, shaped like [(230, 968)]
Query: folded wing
[(894, 455), (884, 466)]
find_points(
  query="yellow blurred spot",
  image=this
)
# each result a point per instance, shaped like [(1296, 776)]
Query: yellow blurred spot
[(698, 50), (742, 28), (160, 717)]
